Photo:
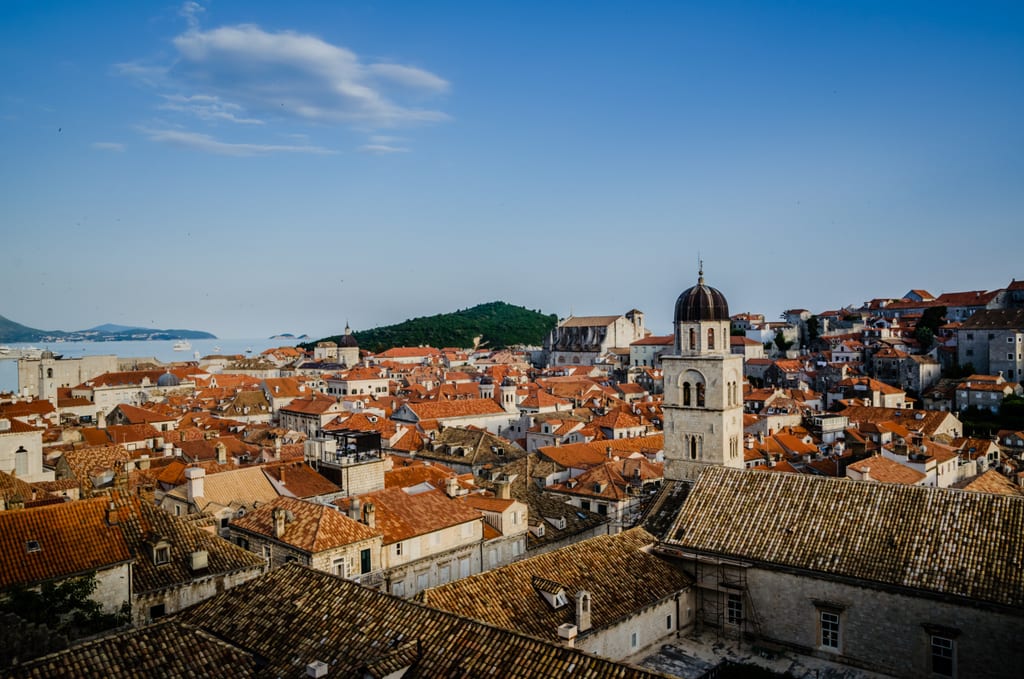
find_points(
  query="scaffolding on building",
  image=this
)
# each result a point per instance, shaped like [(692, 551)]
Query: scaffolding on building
[(724, 600)]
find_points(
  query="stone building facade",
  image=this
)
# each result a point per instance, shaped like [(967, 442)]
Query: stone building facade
[(703, 406)]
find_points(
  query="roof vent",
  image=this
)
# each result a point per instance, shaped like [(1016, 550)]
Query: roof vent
[(316, 669)]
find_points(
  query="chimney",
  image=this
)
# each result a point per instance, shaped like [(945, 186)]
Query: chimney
[(582, 610), (194, 477), (144, 462), (370, 515), (222, 453), (354, 512), (112, 519), (567, 632), (608, 452), (277, 448), (168, 449), (451, 487), (279, 519), (198, 560), (504, 490)]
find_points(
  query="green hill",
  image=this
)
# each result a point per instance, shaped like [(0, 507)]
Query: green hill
[(499, 324), (16, 332)]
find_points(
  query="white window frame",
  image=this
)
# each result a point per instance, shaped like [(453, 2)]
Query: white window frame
[(830, 630)]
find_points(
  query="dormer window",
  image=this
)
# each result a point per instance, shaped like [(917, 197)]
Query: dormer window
[(159, 550)]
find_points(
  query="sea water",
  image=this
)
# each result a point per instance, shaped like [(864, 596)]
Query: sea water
[(161, 350)]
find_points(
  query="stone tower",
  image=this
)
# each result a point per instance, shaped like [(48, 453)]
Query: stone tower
[(703, 406)]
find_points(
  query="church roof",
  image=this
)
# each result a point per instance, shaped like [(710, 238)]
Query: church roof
[(938, 540), (701, 303)]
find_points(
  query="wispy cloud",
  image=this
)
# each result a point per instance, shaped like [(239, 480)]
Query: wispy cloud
[(208, 144), (245, 75), (153, 76), (297, 75), (383, 149), (108, 146), (191, 11), (205, 107)]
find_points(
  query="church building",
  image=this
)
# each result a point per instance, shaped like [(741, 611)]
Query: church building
[(703, 406)]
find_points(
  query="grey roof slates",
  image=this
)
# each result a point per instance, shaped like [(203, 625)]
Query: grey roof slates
[(275, 615), (940, 540)]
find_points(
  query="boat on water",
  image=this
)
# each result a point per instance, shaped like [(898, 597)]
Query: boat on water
[(182, 345), (216, 349)]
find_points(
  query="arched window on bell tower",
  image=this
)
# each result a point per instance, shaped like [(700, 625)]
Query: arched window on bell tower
[(693, 339), (711, 339), (693, 447), (686, 394), (700, 394)]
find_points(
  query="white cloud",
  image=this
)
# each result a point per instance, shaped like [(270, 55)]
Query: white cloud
[(206, 107), (191, 11), (108, 146), (245, 75), (204, 142), (409, 77), (297, 75), (382, 149)]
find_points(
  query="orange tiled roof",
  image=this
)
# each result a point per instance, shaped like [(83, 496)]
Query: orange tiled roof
[(58, 541), (885, 470), (469, 407), (401, 516), (590, 454), (312, 528)]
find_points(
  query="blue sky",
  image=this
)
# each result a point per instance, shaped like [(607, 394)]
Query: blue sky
[(250, 168)]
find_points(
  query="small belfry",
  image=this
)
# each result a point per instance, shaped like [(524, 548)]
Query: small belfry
[(703, 408)]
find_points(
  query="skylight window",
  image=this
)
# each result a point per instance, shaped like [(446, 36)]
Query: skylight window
[(33, 546)]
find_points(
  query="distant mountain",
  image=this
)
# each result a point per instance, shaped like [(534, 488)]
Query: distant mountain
[(16, 332), (498, 324), (113, 327), (11, 331)]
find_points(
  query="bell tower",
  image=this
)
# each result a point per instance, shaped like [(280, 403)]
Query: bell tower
[(703, 408)]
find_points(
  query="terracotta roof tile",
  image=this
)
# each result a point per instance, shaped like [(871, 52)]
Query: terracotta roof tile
[(311, 527), (400, 515), (58, 541)]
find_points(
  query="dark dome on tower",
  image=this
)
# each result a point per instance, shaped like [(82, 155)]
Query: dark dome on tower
[(348, 339), (701, 303)]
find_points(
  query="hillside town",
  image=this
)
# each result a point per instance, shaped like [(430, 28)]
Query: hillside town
[(837, 492)]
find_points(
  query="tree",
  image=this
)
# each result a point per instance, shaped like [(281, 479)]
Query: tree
[(781, 342), (1011, 411), (65, 607), (813, 330), (929, 325)]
